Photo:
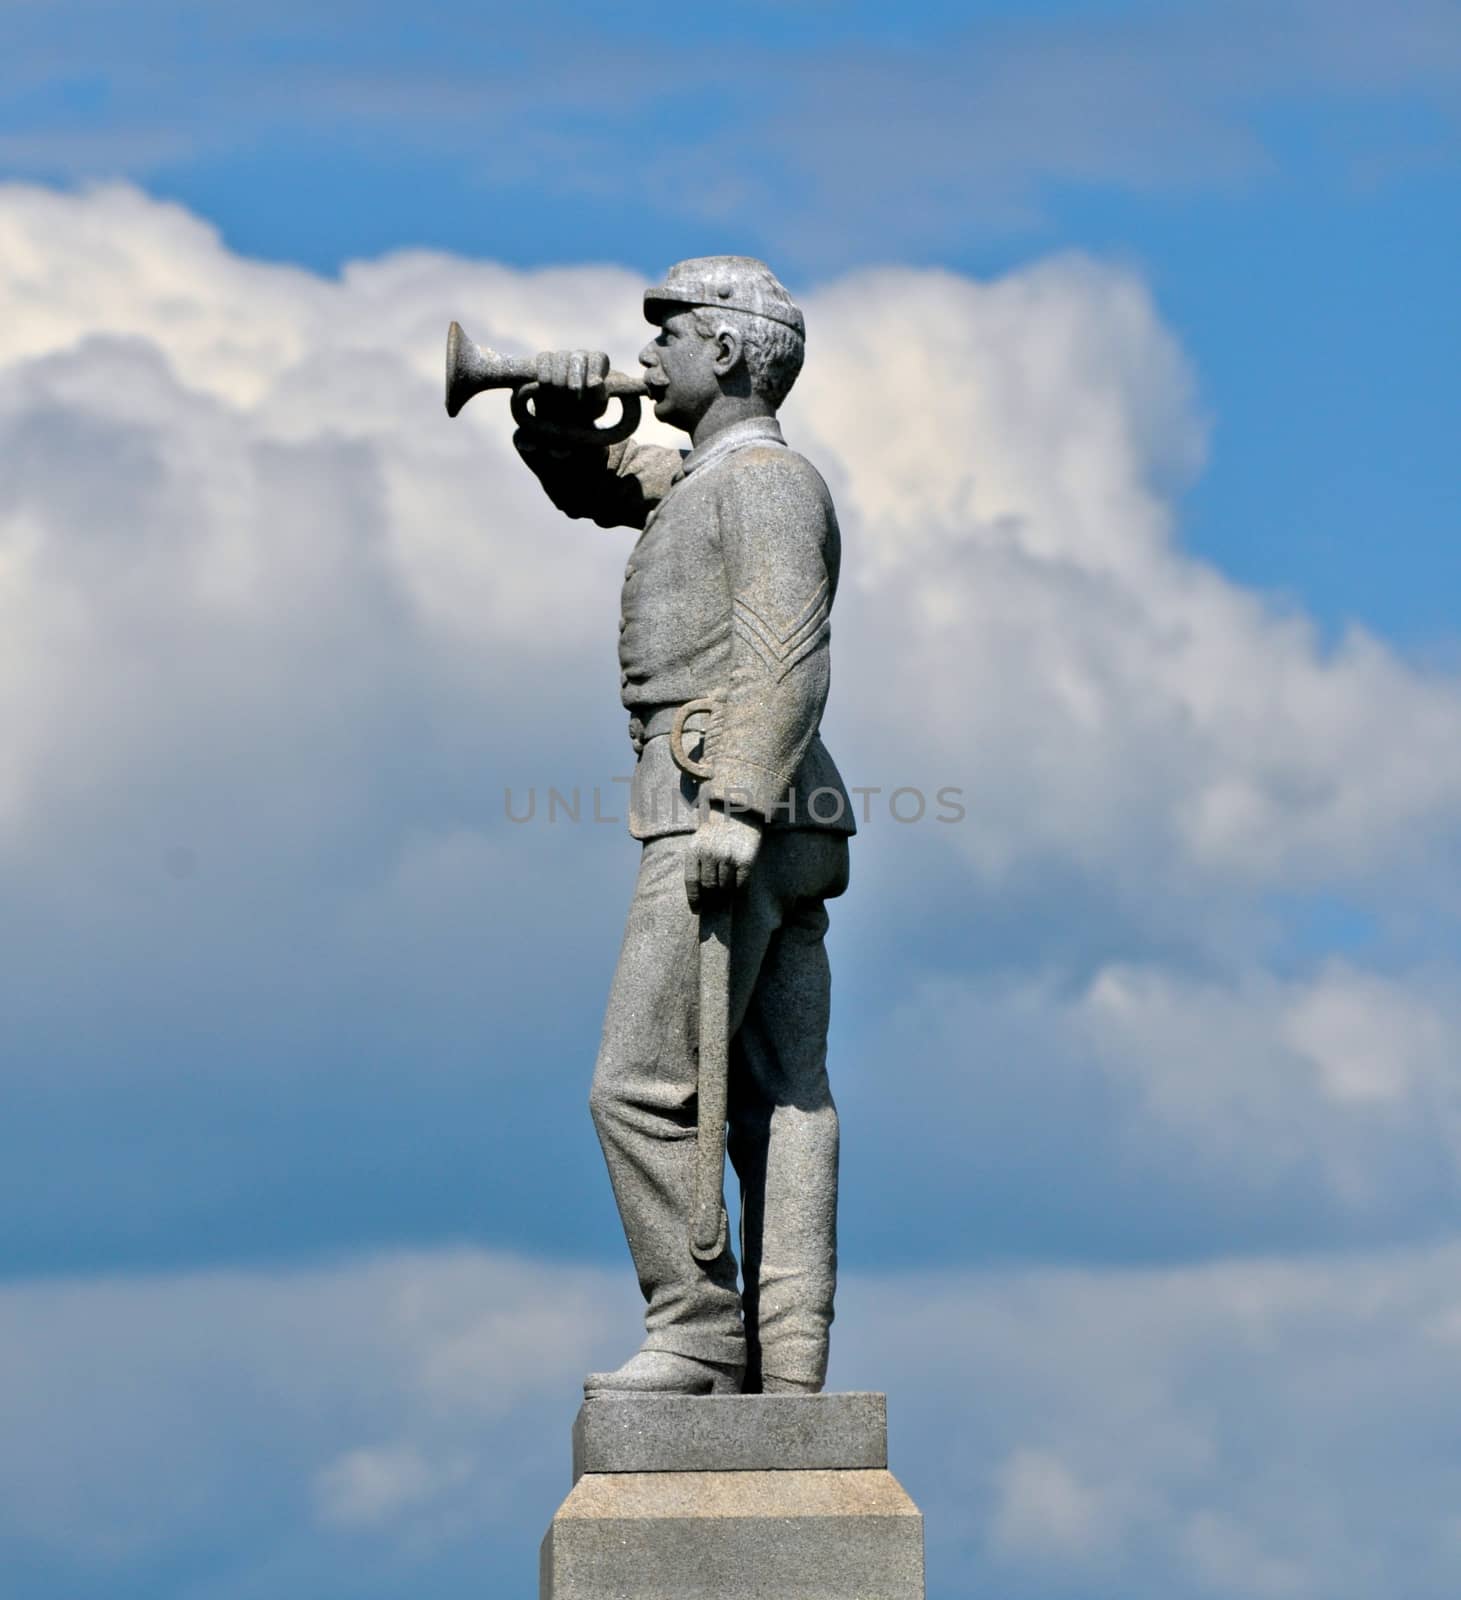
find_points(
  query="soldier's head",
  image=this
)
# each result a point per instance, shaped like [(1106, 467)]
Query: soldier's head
[(726, 326)]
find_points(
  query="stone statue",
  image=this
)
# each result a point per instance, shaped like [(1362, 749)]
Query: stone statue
[(719, 1007), (710, 1466)]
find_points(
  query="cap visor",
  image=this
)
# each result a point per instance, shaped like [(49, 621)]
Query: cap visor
[(658, 306)]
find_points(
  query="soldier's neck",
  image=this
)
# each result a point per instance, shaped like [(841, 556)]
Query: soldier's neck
[(724, 412)]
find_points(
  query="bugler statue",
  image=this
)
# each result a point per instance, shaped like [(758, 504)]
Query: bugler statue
[(715, 1037)]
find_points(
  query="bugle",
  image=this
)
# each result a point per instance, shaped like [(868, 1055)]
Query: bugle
[(471, 368)]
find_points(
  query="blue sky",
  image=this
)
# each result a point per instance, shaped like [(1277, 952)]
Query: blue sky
[(1131, 370)]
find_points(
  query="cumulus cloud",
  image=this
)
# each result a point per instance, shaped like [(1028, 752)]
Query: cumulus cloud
[(277, 636), (1248, 1430), (1008, 455), (274, 463)]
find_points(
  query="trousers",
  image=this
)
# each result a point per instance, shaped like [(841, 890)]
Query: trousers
[(783, 1131)]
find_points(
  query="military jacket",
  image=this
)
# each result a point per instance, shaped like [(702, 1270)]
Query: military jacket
[(728, 595)]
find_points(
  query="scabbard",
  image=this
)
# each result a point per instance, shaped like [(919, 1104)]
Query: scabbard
[(708, 1227)]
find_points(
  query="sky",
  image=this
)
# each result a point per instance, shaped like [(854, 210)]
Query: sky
[(1130, 368)]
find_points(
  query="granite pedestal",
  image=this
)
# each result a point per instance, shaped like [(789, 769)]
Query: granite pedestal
[(745, 1497)]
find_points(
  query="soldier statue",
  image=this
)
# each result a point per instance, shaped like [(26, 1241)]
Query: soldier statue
[(724, 657)]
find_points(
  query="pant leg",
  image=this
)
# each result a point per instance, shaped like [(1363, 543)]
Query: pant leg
[(783, 1124), (643, 1099)]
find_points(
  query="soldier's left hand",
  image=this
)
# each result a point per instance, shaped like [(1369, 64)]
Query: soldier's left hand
[(721, 853)]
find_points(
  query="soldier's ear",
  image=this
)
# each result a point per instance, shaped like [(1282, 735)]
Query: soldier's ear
[(728, 351)]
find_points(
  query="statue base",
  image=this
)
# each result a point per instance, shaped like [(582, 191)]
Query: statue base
[(744, 1497)]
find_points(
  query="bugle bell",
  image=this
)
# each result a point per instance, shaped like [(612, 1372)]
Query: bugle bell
[(471, 368)]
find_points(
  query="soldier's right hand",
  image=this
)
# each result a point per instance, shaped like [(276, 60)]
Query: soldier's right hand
[(571, 385)]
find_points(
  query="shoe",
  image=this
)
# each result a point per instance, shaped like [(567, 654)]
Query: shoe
[(664, 1372)]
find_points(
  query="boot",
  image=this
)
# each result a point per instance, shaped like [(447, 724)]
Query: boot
[(665, 1372)]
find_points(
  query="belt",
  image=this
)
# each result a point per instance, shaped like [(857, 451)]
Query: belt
[(651, 722)]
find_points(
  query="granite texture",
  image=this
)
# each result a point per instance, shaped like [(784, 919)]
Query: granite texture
[(728, 593), (735, 1536), (783, 1122), (743, 1433), (726, 613), (727, 599)]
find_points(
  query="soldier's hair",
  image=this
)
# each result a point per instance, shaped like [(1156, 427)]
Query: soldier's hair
[(773, 352)]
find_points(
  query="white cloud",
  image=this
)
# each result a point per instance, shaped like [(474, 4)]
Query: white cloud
[(368, 1486), (1005, 457), (1247, 1103), (239, 504), (1246, 1429), (1044, 1513), (141, 1414)]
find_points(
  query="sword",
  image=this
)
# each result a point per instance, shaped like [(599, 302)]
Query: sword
[(708, 1226), (707, 1214)]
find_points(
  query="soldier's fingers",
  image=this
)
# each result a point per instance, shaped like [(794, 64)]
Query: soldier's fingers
[(545, 367), (561, 358), (692, 880), (598, 369), (725, 875), (577, 368)]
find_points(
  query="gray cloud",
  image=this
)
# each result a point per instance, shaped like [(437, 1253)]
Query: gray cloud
[(828, 142), (1146, 1114), (1248, 1430)]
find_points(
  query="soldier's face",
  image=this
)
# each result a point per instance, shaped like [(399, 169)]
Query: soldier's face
[(679, 368)]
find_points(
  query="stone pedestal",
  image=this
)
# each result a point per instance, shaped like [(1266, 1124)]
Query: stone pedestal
[(746, 1497)]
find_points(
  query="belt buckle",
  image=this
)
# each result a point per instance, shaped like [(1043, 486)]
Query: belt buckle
[(696, 769)]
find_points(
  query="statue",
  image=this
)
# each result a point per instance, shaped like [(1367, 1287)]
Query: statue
[(718, 1013)]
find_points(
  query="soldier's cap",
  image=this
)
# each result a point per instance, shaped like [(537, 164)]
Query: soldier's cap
[(734, 283)]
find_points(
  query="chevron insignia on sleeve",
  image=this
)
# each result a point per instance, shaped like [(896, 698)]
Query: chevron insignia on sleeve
[(780, 651)]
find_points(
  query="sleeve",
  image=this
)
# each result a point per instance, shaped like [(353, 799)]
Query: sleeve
[(617, 487), (780, 544)]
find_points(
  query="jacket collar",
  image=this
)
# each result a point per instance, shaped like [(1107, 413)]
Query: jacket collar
[(754, 430)]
